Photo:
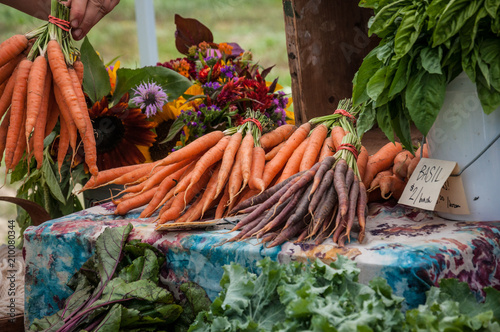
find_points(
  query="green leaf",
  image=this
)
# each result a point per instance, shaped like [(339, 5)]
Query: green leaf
[(491, 7), (385, 17), (401, 77), (468, 32), (95, 76), (401, 125), (434, 12), (144, 267), (173, 83), (367, 69), (175, 128), (384, 121), (489, 98), (108, 249), (431, 59), (408, 32), (454, 16), (376, 84), (111, 322), (366, 119), (489, 49), (424, 97), (50, 179)]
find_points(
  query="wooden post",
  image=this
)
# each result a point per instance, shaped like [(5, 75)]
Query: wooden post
[(326, 43)]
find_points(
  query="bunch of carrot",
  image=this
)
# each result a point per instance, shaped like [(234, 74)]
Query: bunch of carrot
[(389, 169), (41, 85), (320, 200), (214, 171)]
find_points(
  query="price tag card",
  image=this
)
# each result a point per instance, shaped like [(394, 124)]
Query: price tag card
[(431, 188)]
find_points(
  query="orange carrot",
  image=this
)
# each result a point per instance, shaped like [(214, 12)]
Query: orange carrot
[(183, 198), (3, 133), (66, 115), (274, 166), (7, 69), (275, 137), (314, 146), (381, 160), (117, 176), (392, 186), (401, 163), (362, 161), (109, 175), (235, 178), (327, 149), (17, 110), (127, 205), (246, 158), (199, 145), (36, 87), (194, 212), (376, 180), (414, 162), (12, 47), (89, 144), (39, 129), (6, 98), (63, 80), (337, 134), (165, 186), (207, 160), (209, 195), (227, 161), (52, 113), (258, 164), (293, 164), (274, 151), (221, 206), (63, 146), (20, 146)]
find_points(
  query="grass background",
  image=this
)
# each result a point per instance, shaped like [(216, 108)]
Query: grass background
[(256, 25)]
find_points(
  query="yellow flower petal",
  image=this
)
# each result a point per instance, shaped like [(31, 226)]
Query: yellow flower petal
[(145, 152)]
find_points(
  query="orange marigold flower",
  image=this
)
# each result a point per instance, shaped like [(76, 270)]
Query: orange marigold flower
[(225, 48)]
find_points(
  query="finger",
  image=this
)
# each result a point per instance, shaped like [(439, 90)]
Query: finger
[(77, 10), (94, 12)]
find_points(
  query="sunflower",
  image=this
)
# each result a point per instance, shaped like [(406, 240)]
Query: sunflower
[(120, 133)]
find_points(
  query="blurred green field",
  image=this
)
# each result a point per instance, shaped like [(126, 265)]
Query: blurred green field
[(255, 25)]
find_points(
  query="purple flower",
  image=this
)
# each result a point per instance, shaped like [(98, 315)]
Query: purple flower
[(211, 85), (228, 71), (150, 97)]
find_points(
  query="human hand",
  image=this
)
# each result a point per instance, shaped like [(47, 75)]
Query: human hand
[(84, 14)]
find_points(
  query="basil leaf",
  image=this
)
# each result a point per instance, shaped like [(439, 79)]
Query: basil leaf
[(50, 179), (376, 84), (401, 125), (366, 119), (431, 59), (489, 49), (95, 76), (489, 98), (384, 121), (401, 77), (367, 69), (469, 63), (385, 17), (491, 6), (408, 32), (424, 97), (468, 32), (454, 16), (434, 12)]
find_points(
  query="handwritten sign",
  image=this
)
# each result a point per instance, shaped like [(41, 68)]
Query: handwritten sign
[(431, 188)]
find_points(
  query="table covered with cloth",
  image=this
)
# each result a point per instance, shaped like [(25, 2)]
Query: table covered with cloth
[(413, 249)]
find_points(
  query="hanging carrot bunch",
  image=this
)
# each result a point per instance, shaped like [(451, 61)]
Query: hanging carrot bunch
[(41, 85)]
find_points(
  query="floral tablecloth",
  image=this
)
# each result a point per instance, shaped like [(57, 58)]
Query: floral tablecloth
[(412, 249)]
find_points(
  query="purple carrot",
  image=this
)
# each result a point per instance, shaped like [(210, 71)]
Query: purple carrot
[(353, 202), (324, 211), (268, 203), (275, 210), (290, 232), (325, 183), (304, 180), (339, 181), (283, 215), (264, 195), (301, 210), (361, 210), (339, 227), (326, 164)]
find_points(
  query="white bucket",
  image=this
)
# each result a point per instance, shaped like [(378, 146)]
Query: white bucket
[(461, 131)]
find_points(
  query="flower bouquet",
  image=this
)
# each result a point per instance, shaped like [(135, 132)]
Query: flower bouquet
[(226, 83)]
